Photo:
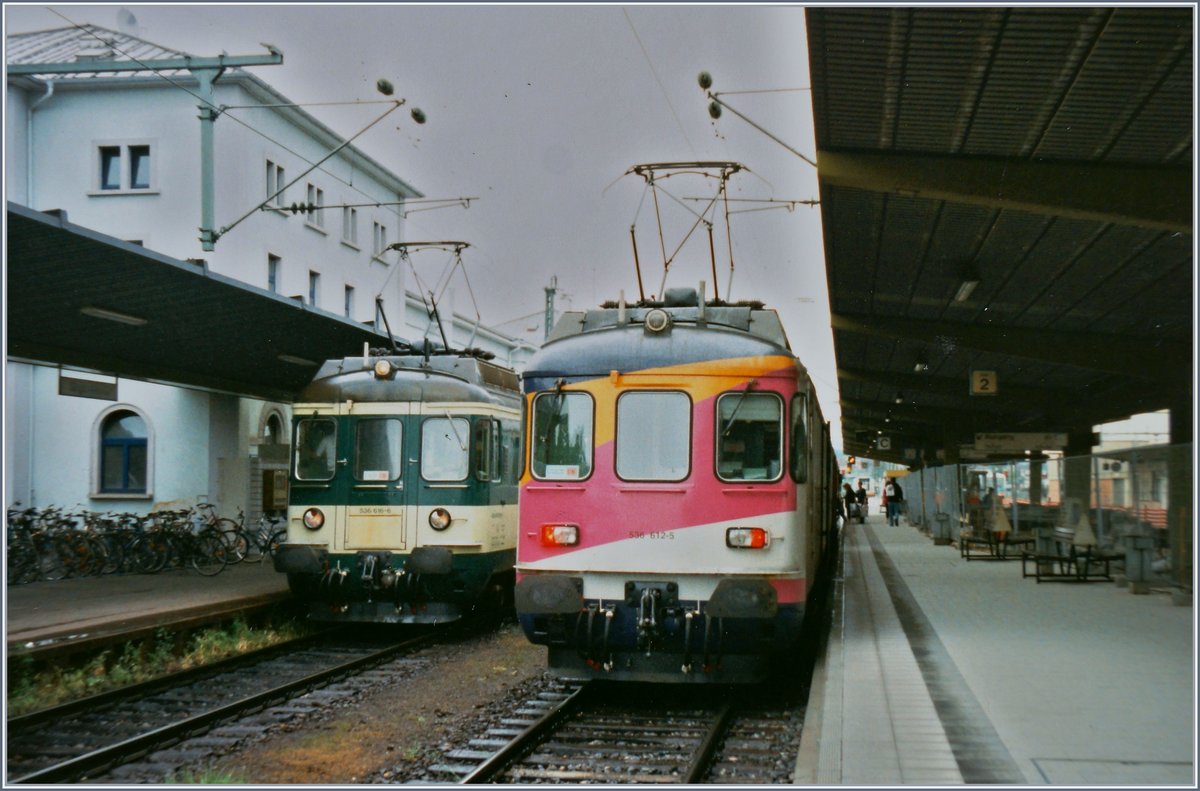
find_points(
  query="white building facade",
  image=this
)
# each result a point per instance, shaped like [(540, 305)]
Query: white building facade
[(120, 153)]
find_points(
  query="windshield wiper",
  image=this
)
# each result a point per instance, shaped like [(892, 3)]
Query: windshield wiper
[(741, 399), (461, 445)]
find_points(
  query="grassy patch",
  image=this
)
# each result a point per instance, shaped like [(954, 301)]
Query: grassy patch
[(35, 685), (207, 777)]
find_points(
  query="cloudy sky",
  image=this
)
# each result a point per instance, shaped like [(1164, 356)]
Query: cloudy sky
[(538, 111)]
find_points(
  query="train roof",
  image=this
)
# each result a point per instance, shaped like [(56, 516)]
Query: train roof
[(415, 378), (612, 338)]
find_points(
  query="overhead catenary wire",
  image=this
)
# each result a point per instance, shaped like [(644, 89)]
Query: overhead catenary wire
[(661, 87)]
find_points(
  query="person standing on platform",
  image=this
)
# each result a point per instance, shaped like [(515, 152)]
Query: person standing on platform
[(894, 496), (850, 499)]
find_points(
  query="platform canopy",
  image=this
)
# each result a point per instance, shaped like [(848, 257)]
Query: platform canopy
[(82, 299), (1006, 196)]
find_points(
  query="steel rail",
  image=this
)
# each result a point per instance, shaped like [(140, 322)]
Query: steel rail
[(146, 688), (708, 748), (112, 755), (502, 759)]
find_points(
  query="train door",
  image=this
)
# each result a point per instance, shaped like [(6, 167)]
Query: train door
[(440, 469), (379, 483)]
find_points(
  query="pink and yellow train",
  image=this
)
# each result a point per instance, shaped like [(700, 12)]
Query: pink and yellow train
[(677, 506)]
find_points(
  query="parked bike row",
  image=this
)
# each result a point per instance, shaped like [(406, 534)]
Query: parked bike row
[(53, 544)]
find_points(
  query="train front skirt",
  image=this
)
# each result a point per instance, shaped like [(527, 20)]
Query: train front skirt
[(737, 636), (430, 585)]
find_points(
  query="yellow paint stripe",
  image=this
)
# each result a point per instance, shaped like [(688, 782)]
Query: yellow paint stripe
[(701, 380)]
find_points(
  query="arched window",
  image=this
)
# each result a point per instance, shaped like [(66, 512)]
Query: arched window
[(273, 430), (123, 454)]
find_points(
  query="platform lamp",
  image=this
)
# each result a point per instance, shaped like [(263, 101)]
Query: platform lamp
[(968, 279)]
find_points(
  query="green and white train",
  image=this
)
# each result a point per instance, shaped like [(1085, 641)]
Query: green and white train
[(402, 504)]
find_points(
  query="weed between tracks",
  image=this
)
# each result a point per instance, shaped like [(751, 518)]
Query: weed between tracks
[(36, 685)]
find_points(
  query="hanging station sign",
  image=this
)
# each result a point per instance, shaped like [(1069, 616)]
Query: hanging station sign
[(984, 383), (1019, 442)]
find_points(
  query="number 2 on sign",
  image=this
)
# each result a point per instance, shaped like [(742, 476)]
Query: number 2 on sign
[(983, 383)]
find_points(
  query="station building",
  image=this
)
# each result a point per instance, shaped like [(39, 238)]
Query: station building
[(120, 152)]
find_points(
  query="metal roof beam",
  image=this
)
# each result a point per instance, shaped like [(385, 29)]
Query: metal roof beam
[(1135, 357), (1146, 196), (220, 62)]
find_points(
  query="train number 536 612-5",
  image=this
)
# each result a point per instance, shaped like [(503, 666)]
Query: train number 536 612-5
[(654, 535)]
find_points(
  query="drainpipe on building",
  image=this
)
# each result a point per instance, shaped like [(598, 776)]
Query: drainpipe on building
[(29, 144)]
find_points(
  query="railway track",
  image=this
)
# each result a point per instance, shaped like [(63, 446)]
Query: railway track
[(595, 734), (86, 738)]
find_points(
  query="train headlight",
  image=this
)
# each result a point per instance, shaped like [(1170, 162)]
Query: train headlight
[(746, 538), (439, 518), (383, 369), (657, 320), (314, 518), (558, 535)]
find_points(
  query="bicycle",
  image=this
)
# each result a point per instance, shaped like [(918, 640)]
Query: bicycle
[(271, 534)]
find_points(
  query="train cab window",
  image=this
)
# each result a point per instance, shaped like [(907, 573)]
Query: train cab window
[(487, 450), (562, 436), (444, 442), (378, 450), (316, 449), (654, 436), (749, 436), (510, 456), (799, 449)]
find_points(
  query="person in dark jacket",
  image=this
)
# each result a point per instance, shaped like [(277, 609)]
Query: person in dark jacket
[(895, 500), (850, 500)]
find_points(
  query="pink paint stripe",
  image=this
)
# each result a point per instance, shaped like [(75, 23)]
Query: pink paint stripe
[(790, 591)]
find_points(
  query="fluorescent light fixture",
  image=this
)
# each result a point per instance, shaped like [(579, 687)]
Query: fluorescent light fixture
[(288, 358), (968, 280), (112, 315), (899, 398), (964, 290)]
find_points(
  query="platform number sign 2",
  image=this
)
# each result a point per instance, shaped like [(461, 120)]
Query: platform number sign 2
[(983, 383)]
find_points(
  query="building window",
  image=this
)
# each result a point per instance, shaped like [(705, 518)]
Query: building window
[(313, 215), (273, 265), (350, 225), (139, 167), (314, 284), (123, 454), (110, 167), (275, 183), (379, 239), (124, 167), (273, 430), (349, 302)]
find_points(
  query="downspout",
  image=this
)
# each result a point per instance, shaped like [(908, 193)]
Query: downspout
[(29, 144)]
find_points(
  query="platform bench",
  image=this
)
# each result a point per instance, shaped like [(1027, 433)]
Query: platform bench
[(1070, 562)]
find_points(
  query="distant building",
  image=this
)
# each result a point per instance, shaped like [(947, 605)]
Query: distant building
[(120, 152)]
